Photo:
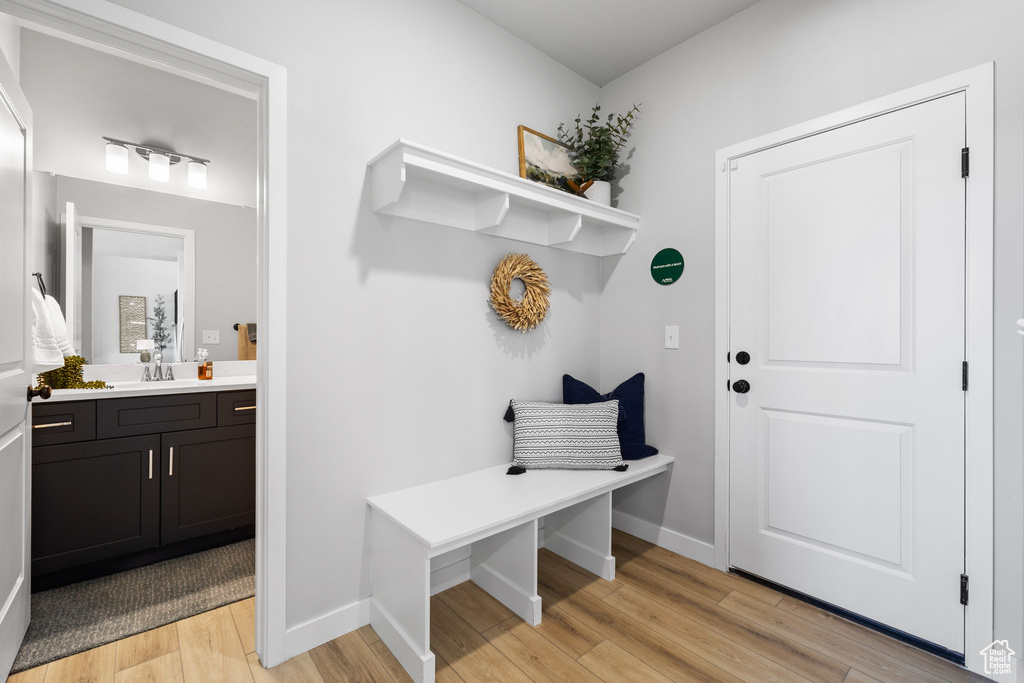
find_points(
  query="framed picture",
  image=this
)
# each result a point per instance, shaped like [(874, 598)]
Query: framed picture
[(545, 160)]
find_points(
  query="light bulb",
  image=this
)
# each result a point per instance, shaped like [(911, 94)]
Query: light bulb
[(159, 167), (197, 175), (117, 158)]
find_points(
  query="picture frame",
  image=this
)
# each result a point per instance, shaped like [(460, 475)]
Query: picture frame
[(545, 160)]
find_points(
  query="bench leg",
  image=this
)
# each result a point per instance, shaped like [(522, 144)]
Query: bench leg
[(400, 596), (582, 534), (505, 565)]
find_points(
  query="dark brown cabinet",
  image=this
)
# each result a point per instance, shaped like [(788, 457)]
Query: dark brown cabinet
[(209, 482), (143, 478), (94, 500)]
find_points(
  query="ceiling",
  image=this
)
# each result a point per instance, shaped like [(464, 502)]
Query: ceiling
[(603, 39)]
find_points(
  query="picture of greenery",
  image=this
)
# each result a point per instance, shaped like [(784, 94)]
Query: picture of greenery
[(545, 160)]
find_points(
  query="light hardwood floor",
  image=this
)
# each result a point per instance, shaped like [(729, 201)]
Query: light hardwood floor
[(665, 618)]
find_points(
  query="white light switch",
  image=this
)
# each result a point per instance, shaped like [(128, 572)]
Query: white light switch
[(211, 336), (671, 336)]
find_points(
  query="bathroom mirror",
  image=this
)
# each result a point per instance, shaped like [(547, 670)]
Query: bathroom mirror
[(108, 263)]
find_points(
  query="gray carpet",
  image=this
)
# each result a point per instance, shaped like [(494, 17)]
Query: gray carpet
[(74, 618)]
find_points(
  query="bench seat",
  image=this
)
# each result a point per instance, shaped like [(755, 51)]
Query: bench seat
[(497, 515)]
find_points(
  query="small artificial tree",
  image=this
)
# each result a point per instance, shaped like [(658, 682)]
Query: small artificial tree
[(161, 335), (594, 146)]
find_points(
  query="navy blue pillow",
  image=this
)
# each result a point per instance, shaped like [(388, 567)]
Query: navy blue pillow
[(630, 395)]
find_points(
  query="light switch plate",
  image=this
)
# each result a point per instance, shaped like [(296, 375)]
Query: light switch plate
[(671, 336), (211, 336)]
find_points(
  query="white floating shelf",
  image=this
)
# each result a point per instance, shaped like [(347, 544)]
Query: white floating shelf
[(422, 184)]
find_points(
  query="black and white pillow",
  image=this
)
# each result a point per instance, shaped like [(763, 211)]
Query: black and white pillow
[(563, 436)]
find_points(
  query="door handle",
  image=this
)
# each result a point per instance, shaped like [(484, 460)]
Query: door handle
[(43, 391), (150, 463), (170, 469), (741, 386)]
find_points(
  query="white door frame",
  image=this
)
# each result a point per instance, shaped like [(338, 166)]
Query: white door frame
[(137, 34), (978, 84)]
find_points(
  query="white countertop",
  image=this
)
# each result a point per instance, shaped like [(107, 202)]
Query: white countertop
[(117, 389)]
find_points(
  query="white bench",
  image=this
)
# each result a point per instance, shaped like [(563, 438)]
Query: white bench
[(497, 515)]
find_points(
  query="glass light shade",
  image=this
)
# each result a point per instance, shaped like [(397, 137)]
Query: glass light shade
[(159, 167), (197, 175), (117, 158)]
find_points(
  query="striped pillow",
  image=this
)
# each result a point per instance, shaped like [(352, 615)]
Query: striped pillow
[(567, 437)]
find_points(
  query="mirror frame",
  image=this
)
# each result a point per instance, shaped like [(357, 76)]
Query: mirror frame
[(72, 225)]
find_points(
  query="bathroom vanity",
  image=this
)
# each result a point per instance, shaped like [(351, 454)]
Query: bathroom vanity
[(138, 473)]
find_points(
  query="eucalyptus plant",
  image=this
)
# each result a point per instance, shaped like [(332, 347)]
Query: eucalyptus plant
[(161, 335), (595, 143)]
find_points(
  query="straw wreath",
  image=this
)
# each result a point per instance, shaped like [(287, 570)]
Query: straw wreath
[(526, 314)]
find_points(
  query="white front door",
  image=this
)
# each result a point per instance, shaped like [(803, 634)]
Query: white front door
[(15, 366), (847, 291)]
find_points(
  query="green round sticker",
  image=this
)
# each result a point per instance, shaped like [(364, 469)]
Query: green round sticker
[(667, 266)]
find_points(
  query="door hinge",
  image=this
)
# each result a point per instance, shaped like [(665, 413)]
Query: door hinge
[(965, 162), (728, 385), (963, 377), (963, 589)]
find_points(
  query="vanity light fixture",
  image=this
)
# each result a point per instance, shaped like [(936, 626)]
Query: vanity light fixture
[(159, 159)]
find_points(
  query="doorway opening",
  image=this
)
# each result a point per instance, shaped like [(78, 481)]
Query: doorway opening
[(975, 89), (140, 39)]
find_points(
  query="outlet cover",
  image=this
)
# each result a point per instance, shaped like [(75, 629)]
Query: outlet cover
[(211, 336), (671, 336)]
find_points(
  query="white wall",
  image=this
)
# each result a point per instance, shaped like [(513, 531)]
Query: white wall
[(777, 64), (45, 253), (10, 43), (79, 95), (114, 276), (225, 248), (399, 372)]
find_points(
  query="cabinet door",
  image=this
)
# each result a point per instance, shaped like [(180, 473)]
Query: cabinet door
[(209, 481), (94, 500)]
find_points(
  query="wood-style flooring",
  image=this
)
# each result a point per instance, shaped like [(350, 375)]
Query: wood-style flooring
[(665, 618)]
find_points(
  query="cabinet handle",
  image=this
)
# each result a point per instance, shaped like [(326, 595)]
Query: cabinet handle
[(150, 463), (238, 408), (55, 424), (170, 470)]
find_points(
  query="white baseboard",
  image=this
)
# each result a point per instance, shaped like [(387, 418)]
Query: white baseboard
[(512, 596), (666, 538), (443, 578), (579, 554), (306, 636)]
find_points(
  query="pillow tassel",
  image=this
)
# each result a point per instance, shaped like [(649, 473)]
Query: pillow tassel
[(510, 415), (516, 469), (622, 468)]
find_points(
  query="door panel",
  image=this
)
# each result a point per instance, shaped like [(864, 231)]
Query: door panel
[(847, 289), (867, 518), (834, 295), (15, 369)]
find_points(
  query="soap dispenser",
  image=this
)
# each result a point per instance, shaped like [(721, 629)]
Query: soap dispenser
[(201, 363)]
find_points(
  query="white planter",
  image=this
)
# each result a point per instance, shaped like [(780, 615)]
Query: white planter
[(600, 192)]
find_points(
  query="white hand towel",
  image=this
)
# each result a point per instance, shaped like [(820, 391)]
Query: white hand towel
[(46, 354), (60, 327)]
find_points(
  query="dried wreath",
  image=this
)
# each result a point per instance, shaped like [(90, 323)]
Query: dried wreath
[(526, 314)]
